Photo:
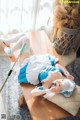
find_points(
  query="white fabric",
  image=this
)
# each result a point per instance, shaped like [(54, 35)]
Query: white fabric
[(26, 41), (36, 64), (7, 51), (19, 40), (49, 94)]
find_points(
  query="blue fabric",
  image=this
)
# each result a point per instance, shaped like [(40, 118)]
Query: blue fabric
[(22, 75), (43, 75), (52, 60), (67, 93), (40, 87), (45, 72)]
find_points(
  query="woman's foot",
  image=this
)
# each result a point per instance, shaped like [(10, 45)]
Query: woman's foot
[(9, 53)]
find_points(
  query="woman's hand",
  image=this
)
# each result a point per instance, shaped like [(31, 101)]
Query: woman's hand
[(70, 77)]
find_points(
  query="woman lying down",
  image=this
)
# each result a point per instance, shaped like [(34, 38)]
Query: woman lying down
[(46, 70), (43, 69)]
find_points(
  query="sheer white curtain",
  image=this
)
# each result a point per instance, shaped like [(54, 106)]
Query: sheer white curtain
[(24, 15), (44, 11)]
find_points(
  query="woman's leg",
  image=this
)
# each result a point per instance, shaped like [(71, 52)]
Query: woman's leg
[(23, 40), (18, 45), (13, 39)]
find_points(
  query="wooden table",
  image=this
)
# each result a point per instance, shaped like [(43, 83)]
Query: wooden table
[(40, 108)]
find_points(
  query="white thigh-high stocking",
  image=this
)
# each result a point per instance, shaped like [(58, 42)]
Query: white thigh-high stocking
[(14, 39), (17, 46), (26, 41), (23, 40)]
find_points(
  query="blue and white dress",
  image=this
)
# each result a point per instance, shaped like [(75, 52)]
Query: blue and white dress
[(37, 69)]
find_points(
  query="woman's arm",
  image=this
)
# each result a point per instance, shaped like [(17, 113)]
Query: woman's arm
[(53, 90), (65, 72), (40, 90)]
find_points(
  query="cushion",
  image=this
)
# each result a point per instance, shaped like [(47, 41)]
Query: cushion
[(67, 59), (71, 104)]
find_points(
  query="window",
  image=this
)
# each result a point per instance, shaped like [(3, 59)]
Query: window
[(24, 15)]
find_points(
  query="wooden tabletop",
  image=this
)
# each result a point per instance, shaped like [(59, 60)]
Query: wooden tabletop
[(40, 108)]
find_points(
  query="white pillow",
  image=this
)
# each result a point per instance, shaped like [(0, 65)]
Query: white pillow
[(71, 104)]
